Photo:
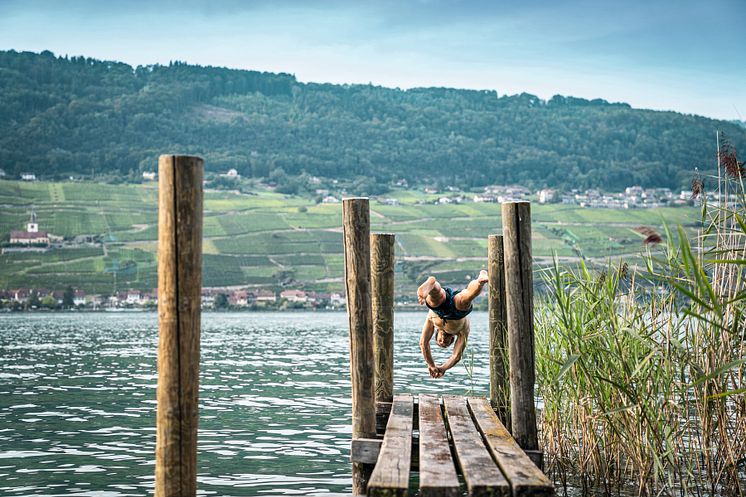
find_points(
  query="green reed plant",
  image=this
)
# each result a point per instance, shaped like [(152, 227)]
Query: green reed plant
[(641, 371)]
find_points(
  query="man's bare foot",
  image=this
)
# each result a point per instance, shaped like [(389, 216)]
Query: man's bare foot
[(425, 289), (483, 277)]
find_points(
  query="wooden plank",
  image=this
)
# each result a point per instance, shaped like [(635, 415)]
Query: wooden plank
[(383, 409), (356, 228), (516, 219), (437, 471), (180, 197), (498, 326), (391, 475), (365, 450), (522, 474), (382, 283), (482, 476)]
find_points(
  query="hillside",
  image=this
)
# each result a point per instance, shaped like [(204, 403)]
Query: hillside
[(268, 240), (83, 117)]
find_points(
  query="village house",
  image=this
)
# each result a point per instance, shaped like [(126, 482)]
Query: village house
[(547, 196), (330, 199), (337, 300), (134, 297), (265, 297), (149, 176), (295, 296), (79, 298), (491, 199), (239, 298), (28, 177)]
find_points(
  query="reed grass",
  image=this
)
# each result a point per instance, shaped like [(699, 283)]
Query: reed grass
[(642, 370)]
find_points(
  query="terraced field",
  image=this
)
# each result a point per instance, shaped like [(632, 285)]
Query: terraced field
[(268, 239)]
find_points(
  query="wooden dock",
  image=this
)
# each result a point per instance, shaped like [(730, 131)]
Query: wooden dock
[(428, 444), (453, 444)]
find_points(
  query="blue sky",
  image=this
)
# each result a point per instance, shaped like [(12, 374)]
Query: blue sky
[(682, 55)]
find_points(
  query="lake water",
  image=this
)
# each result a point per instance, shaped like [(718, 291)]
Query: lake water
[(77, 401)]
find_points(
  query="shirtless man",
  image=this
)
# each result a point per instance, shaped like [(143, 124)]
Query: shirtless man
[(447, 319)]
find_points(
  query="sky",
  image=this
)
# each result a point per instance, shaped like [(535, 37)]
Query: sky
[(681, 55)]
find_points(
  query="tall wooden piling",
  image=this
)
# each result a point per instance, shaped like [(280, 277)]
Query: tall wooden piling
[(382, 283), (516, 220), (356, 225), (498, 326), (179, 287)]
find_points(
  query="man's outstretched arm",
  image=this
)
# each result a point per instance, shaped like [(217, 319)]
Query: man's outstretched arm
[(427, 334)]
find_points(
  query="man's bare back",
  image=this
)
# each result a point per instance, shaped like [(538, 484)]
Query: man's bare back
[(447, 319)]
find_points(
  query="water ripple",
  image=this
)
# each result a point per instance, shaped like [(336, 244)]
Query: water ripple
[(77, 401)]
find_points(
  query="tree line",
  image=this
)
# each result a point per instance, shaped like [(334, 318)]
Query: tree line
[(77, 116)]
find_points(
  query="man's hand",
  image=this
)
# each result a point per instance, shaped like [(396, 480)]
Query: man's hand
[(436, 372)]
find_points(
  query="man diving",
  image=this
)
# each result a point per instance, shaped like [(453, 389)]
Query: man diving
[(447, 319)]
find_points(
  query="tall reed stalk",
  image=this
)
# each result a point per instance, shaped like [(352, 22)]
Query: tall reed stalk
[(642, 371)]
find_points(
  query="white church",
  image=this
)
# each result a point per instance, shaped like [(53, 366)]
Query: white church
[(32, 235)]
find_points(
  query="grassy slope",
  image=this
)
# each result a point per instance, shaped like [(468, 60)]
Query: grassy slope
[(263, 238)]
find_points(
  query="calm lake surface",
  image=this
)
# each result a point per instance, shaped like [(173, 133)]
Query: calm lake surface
[(77, 401)]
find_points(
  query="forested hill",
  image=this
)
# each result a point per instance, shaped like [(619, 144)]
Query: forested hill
[(80, 116)]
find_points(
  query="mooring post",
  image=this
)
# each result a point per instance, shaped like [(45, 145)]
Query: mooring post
[(356, 226), (498, 325), (179, 287), (516, 220), (382, 283)]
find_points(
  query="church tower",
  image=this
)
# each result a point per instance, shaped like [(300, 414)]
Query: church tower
[(32, 226)]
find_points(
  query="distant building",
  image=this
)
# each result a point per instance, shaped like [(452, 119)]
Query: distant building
[(265, 297), (337, 300), (79, 298), (484, 198), (148, 176), (547, 196), (239, 298), (294, 296), (28, 177), (330, 199), (32, 235), (232, 173), (134, 297)]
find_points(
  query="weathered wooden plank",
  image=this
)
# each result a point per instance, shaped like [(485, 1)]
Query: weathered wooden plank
[(524, 477), (383, 409), (482, 476), (391, 475), (516, 219), (382, 283), (437, 471), (180, 198), (356, 228), (365, 450), (498, 325)]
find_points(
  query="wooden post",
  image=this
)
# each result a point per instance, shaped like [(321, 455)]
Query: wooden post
[(179, 288), (382, 282), (356, 225), (516, 219), (498, 325)]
